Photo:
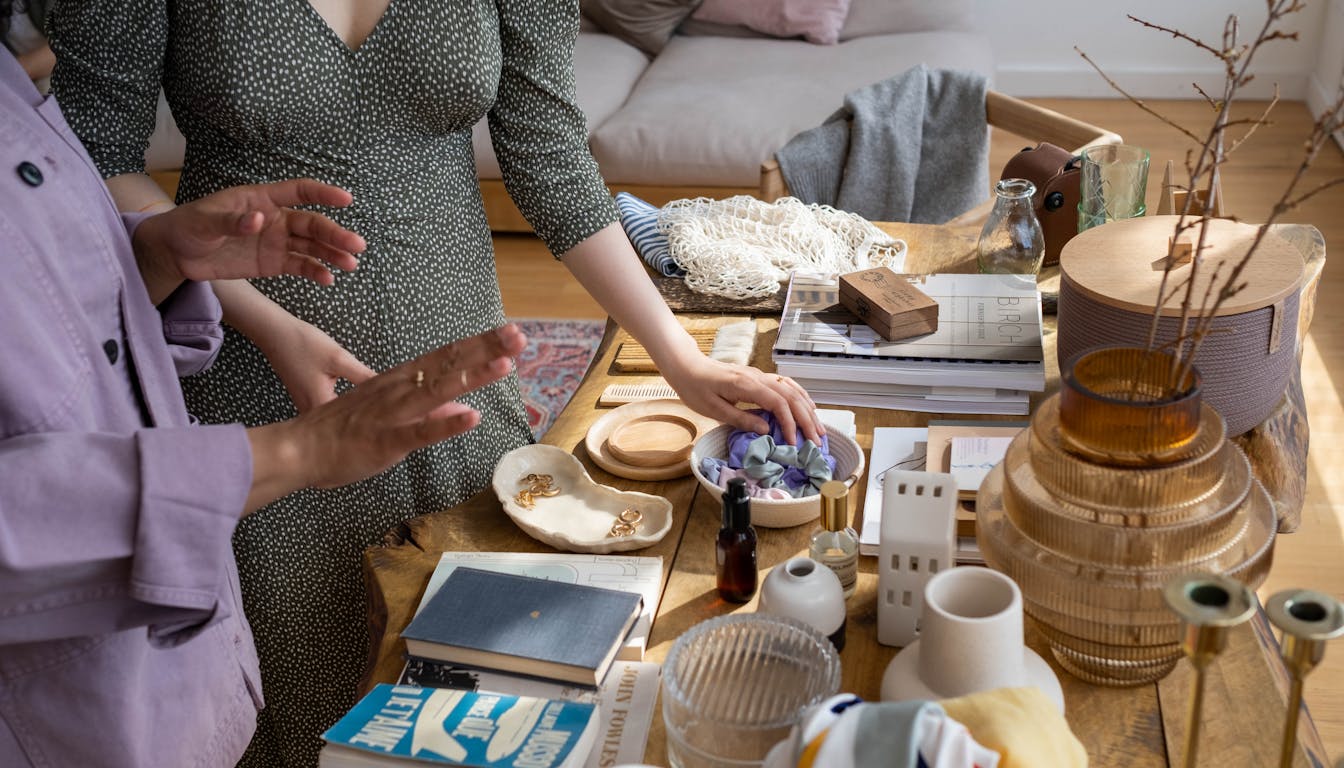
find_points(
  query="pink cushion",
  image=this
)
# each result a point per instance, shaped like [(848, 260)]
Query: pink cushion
[(817, 21)]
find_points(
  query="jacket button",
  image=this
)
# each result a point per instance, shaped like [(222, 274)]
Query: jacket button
[(31, 174), (110, 349)]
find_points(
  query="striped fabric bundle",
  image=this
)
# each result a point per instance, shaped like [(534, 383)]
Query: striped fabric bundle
[(640, 222)]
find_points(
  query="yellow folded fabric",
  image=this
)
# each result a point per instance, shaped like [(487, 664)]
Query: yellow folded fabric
[(1021, 724)]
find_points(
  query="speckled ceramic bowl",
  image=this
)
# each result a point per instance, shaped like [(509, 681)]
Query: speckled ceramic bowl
[(579, 517)]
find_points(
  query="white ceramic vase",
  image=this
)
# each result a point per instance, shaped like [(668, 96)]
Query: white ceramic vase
[(970, 640), (803, 589)]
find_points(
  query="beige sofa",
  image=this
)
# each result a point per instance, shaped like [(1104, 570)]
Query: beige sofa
[(701, 116)]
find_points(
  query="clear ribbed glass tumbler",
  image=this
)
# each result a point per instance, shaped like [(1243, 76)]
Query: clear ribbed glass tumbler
[(734, 686)]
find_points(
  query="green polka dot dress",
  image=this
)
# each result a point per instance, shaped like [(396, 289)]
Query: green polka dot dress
[(264, 90)]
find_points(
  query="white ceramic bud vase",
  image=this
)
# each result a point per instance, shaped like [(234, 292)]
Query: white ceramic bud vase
[(803, 589), (970, 640)]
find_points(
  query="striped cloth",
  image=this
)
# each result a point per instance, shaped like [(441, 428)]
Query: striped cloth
[(640, 222)]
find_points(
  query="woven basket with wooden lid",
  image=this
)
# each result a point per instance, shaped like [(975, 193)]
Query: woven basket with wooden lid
[(1109, 278)]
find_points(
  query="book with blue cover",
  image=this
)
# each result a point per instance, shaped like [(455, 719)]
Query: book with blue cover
[(524, 625), (397, 724), (642, 575)]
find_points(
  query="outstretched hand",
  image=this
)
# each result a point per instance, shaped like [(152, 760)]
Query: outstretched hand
[(373, 426), (249, 231), (714, 389), (310, 363)]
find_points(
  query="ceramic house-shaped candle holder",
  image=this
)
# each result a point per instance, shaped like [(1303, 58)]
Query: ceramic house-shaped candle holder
[(918, 540)]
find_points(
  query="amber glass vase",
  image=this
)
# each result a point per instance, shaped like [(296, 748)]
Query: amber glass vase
[(1122, 482)]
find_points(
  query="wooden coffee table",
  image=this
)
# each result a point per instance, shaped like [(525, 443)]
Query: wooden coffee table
[(1129, 727)]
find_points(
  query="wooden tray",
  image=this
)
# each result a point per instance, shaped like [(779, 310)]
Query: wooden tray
[(655, 440), (597, 441)]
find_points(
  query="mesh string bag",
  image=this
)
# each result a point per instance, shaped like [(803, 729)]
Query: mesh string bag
[(743, 248)]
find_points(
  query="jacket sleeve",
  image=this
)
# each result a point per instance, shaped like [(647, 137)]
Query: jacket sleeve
[(134, 530), (538, 131), (191, 318), (109, 67)]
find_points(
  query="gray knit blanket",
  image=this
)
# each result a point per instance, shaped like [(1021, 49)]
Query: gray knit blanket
[(914, 147)]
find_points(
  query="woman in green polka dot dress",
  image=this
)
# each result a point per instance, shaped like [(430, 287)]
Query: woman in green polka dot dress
[(379, 98)]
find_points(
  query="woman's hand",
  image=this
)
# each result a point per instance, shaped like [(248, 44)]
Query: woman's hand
[(609, 269), (714, 389), (375, 425), (247, 231), (309, 363)]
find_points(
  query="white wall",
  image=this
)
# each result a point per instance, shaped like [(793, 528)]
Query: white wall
[(1034, 41), (1326, 80)]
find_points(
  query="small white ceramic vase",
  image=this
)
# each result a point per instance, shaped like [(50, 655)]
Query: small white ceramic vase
[(803, 589), (970, 640)]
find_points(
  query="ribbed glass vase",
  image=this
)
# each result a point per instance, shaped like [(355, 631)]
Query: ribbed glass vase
[(1121, 482)]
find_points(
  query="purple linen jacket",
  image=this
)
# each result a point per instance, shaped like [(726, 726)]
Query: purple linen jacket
[(122, 637)]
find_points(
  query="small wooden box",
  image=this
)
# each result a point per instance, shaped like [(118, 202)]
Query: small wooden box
[(888, 303)]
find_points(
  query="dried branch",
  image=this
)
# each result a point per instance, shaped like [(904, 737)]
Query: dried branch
[(1204, 164), (1321, 131), (1134, 99), (1212, 102), (1319, 188), (1176, 33)]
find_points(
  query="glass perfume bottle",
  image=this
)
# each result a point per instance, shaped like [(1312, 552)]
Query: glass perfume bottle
[(735, 548), (835, 544), (1012, 240)]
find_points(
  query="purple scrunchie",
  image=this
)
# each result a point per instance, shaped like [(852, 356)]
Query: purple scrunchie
[(796, 478)]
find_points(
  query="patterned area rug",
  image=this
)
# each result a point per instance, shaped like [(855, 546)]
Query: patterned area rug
[(550, 369)]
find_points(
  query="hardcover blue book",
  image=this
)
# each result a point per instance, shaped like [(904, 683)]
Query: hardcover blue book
[(398, 723), (529, 626)]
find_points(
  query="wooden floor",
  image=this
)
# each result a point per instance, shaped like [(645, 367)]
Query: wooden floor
[(1313, 557)]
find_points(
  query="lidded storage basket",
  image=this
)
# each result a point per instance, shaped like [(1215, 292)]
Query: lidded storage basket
[(1109, 278)]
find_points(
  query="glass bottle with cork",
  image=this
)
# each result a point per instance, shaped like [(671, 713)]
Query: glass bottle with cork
[(835, 544), (735, 547)]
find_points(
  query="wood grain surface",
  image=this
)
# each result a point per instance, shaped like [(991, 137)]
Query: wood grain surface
[(655, 440), (1116, 265)]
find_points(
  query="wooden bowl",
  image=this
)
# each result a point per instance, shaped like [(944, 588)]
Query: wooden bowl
[(653, 440), (658, 434)]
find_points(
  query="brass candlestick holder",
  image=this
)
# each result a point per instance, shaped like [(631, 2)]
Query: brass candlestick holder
[(1208, 605), (1308, 620)]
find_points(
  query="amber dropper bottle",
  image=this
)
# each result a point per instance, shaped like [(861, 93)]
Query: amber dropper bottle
[(735, 548)]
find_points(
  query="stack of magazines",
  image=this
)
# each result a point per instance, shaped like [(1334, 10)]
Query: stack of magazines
[(985, 358)]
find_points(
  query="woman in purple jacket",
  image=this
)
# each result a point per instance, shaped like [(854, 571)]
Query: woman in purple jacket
[(122, 639)]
